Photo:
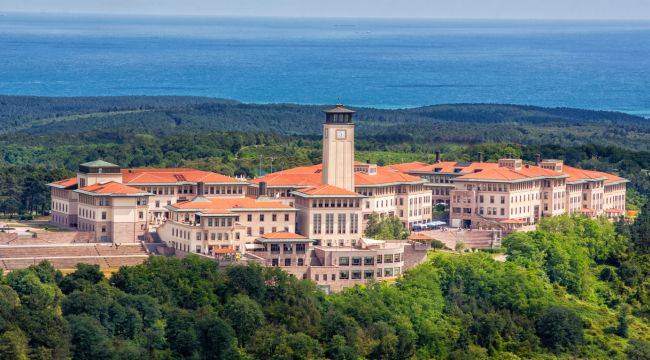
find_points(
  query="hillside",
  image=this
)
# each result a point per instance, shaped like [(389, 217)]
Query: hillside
[(574, 289), (26, 117)]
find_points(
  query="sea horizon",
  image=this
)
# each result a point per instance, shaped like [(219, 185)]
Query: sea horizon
[(384, 63)]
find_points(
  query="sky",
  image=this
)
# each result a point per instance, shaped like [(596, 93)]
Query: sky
[(463, 9)]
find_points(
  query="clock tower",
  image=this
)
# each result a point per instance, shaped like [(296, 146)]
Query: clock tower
[(338, 148)]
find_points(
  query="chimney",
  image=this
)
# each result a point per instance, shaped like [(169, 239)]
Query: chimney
[(437, 156), (199, 188), (262, 189), (538, 159), (480, 157)]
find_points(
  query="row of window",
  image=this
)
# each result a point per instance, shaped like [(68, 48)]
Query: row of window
[(261, 217), (335, 203), (367, 274), (59, 206), (287, 262), (341, 228), (369, 260), (288, 248), (262, 230), (60, 219)]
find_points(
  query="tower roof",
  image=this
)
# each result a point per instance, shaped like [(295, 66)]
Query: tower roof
[(339, 109), (99, 163)]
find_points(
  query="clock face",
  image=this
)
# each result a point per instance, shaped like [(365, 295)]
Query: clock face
[(340, 134)]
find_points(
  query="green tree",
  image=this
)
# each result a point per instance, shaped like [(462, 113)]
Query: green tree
[(13, 345), (640, 230), (623, 328), (560, 329), (638, 350), (85, 275), (386, 228), (90, 341), (247, 280), (243, 314)]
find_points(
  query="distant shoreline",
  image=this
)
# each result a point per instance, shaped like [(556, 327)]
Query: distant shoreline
[(642, 113)]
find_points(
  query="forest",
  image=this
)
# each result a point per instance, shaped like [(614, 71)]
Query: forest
[(575, 288)]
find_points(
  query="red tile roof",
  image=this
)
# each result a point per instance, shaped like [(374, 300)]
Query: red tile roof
[(416, 236), (227, 205), (385, 175), (327, 190), (508, 174), (66, 183), (173, 175), (614, 211), (282, 235), (311, 176), (574, 174), (577, 175), (406, 167), (451, 166), (221, 251), (112, 188)]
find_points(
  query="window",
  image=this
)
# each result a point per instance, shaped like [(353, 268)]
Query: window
[(378, 259), (274, 262), (344, 261), (274, 217), (287, 262), (356, 274), (249, 217), (368, 274), (344, 275), (286, 217), (141, 215), (356, 261), (368, 260), (301, 262), (287, 248), (341, 224), (275, 248), (329, 223), (103, 215), (317, 223), (261, 217)]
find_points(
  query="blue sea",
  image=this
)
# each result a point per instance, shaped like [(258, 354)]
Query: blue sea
[(370, 62)]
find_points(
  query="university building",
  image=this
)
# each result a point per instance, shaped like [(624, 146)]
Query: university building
[(511, 194), (310, 220)]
